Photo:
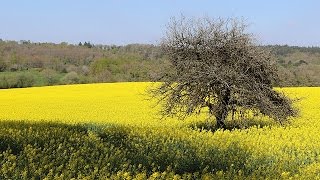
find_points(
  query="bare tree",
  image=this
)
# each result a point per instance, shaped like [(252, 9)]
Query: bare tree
[(215, 64)]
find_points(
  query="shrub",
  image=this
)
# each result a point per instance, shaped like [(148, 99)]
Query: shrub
[(24, 80), (17, 80), (51, 76), (3, 65), (71, 78)]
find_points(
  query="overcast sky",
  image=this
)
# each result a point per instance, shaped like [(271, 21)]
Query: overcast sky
[(292, 22)]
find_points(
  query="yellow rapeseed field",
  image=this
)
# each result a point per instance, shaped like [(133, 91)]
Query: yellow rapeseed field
[(89, 103), (294, 148)]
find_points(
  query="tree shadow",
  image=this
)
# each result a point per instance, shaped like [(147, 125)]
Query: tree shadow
[(232, 124)]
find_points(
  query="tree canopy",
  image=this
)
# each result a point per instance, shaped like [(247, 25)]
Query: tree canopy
[(217, 65)]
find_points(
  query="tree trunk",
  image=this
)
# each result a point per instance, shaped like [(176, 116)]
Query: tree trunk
[(222, 110)]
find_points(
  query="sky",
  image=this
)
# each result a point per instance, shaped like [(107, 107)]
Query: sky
[(120, 22)]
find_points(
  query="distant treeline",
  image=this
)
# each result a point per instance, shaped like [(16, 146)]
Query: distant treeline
[(298, 66), (24, 63)]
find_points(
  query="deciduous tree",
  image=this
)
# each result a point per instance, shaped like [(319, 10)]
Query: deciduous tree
[(216, 64)]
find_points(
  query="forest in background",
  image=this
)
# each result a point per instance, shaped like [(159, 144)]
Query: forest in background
[(25, 63)]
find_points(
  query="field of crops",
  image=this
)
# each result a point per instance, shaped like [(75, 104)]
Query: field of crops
[(113, 131)]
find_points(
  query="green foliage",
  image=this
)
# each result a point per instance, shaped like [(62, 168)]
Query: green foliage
[(88, 45), (51, 76), (122, 68), (21, 79), (17, 80), (86, 63), (132, 62), (71, 78), (3, 65), (283, 50)]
